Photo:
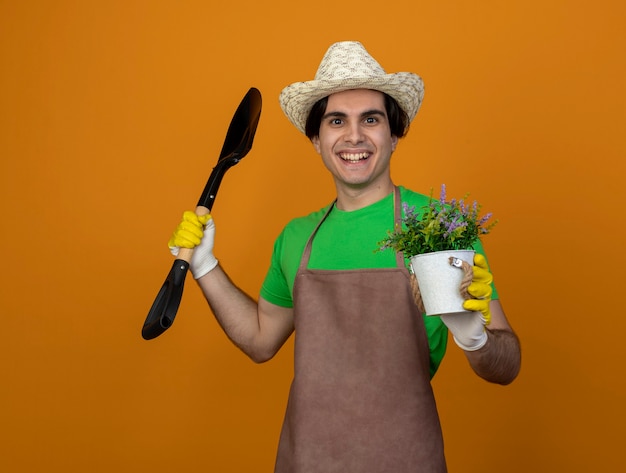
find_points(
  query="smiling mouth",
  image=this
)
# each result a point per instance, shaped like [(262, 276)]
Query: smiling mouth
[(354, 157)]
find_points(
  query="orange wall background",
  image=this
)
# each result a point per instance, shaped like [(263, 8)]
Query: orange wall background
[(112, 115)]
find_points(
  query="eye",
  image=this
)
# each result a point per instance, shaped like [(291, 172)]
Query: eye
[(371, 120), (336, 121)]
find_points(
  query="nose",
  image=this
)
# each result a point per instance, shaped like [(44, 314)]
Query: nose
[(354, 133)]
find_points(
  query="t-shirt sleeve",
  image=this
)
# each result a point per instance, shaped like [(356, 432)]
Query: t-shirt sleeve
[(437, 333), (275, 288)]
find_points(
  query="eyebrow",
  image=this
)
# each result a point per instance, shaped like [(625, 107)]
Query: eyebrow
[(367, 113)]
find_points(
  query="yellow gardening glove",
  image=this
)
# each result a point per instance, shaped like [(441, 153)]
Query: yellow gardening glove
[(480, 288), (197, 233)]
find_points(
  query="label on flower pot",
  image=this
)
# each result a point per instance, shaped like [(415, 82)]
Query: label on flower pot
[(440, 282)]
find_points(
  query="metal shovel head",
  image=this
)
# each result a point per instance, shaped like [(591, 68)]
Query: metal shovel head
[(237, 143), (242, 127)]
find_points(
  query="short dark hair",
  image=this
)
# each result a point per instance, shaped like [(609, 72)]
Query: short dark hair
[(398, 119)]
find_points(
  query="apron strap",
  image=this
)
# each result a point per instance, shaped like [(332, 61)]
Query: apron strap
[(397, 210), (304, 261)]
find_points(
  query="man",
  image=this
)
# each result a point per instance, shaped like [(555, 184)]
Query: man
[(361, 399)]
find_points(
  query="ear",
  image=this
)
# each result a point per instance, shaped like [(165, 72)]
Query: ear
[(394, 142), (316, 144)]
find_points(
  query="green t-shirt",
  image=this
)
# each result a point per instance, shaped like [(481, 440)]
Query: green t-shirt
[(346, 240)]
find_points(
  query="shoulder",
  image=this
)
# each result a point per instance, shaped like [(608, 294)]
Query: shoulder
[(297, 231), (304, 224), (413, 198)]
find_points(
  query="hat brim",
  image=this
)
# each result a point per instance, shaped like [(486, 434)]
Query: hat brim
[(297, 99)]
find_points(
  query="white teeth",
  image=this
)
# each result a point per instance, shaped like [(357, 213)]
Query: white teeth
[(354, 157)]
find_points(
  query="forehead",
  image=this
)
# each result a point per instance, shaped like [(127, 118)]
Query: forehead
[(356, 99)]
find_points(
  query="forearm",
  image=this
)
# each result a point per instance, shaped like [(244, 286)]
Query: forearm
[(499, 360), (235, 311), (258, 329), (258, 334)]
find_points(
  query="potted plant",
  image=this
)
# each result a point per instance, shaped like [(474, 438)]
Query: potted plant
[(437, 240)]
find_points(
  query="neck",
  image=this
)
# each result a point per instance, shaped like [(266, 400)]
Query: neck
[(354, 198)]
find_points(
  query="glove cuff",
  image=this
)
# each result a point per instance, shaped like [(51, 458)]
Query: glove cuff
[(475, 343), (200, 264), (200, 267)]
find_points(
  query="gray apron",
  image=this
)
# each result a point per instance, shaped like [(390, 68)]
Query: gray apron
[(361, 399)]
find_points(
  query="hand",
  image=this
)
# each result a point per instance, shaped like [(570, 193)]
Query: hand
[(197, 233), (480, 288), (468, 330)]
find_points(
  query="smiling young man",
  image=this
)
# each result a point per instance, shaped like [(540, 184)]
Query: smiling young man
[(361, 398)]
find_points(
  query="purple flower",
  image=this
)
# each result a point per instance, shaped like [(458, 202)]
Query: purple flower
[(442, 198), (483, 220), (453, 225), (409, 211)]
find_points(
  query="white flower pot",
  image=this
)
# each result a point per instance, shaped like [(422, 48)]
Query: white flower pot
[(439, 282)]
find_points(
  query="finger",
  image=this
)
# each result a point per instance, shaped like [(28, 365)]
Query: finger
[(480, 290), (191, 228), (186, 235), (203, 219), (478, 305), (481, 261), (189, 216), (481, 275), (184, 240)]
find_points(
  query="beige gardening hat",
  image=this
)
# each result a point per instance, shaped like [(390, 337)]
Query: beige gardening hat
[(347, 65)]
